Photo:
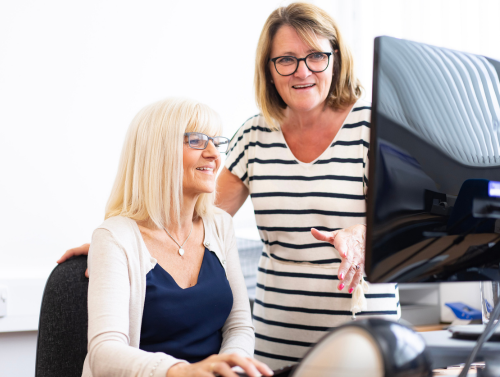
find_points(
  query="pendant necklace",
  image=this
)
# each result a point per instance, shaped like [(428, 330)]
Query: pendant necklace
[(181, 250)]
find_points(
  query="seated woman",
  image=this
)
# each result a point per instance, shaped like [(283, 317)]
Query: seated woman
[(166, 293)]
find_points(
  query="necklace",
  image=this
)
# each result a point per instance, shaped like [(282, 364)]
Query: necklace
[(181, 250)]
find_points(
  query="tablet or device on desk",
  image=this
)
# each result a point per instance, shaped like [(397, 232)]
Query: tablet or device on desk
[(472, 332)]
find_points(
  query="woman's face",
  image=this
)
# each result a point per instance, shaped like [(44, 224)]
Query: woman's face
[(200, 169), (304, 90)]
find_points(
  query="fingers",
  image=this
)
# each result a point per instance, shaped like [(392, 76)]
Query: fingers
[(220, 365), (349, 276), (68, 254), (262, 368), (80, 250), (252, 367), (244, 363), (222, 369), (356, 279), (324, 236), (344, 268), (87, 273)]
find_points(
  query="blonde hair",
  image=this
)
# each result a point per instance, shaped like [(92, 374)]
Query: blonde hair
[(309, 21), (148, 184)]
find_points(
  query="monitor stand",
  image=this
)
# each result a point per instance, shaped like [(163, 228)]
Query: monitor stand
[(445, 350)]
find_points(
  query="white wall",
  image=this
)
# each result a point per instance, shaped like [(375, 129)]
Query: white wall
[(466, 25), (73, 74), (17, 354)]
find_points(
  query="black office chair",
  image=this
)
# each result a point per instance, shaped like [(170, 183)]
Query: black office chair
[(62, 330)]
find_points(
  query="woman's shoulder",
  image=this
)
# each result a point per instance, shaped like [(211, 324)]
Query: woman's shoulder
[(358, 120), (117, 223), (356, 127), (218, 232), (362, 108), (254, 125), (218, 225), (122, 229), (222, 220)]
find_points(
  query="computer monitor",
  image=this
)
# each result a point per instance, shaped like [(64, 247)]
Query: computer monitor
[(433, 208)]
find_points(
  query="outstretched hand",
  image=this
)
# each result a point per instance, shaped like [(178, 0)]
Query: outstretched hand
[(220, 365), (80, 250), (350, 243)]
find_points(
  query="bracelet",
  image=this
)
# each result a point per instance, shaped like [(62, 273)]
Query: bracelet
[(154, 368)]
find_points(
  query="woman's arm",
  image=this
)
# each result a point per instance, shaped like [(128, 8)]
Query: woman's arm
[(231, 192), (109, 296), (238, 331), (109, 350)]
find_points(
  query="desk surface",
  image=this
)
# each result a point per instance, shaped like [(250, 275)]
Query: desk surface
[(444, 350)]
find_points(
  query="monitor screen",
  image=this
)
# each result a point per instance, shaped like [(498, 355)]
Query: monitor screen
[(433, 209)]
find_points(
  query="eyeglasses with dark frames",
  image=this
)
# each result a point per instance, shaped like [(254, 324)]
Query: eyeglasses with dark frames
[(197, 140), (316, 62)]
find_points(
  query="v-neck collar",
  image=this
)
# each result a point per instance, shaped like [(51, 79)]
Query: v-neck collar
[(326, 149)]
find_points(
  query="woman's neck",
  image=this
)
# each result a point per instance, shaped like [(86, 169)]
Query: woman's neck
[(315, 119), (186, 217), (309, 134), (178, 229)]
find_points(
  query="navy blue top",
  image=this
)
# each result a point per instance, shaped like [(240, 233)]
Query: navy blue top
[(186, 323)]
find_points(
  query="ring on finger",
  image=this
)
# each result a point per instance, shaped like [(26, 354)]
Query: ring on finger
[(357, 267), (211, 367)]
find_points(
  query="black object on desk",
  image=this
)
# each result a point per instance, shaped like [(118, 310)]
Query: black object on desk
[(282, 372), (472, 332)]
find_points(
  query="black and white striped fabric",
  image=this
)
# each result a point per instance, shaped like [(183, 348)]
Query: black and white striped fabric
[(297, 299)]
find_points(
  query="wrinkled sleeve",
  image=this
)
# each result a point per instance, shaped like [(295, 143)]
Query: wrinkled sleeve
[(238, 331), (109, 352)]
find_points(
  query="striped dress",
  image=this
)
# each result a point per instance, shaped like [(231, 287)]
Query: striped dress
[(297, 299)]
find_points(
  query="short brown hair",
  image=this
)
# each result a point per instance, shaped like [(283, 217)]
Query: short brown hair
[(308, 21)]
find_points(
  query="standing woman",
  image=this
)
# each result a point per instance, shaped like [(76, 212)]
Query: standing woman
[(304, 162)]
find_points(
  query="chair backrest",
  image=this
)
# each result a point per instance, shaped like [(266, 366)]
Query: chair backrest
[(62, 330)]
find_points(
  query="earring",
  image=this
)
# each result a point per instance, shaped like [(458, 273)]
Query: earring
[(272, 81)]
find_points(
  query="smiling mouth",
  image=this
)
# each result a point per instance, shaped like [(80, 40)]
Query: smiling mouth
[(205, 169), (303, 86)]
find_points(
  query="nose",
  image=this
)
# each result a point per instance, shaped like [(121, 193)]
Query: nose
[(302, 70), (211, 152)]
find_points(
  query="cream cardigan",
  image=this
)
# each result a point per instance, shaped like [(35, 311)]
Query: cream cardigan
[(118, 263)]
